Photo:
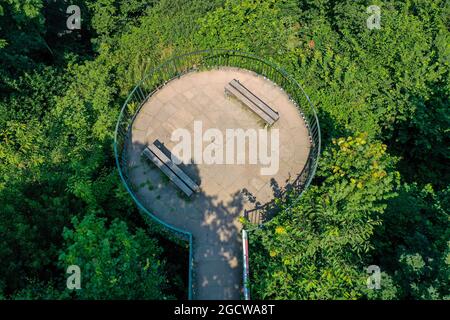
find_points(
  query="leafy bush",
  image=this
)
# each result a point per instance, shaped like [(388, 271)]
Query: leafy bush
[(313, 248)]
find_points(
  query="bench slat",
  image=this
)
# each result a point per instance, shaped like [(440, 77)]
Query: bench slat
[(258, 106), (255, 99), (172, 176), (168, 162)]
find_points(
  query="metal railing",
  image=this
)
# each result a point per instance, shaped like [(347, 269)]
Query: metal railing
[(199, 61)]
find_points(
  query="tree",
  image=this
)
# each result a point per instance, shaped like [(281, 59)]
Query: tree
[(250, 25), (59, 101), (115, 264), (412, 244), (314, 248)]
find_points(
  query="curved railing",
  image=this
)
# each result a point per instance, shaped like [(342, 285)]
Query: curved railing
[(198, 61)]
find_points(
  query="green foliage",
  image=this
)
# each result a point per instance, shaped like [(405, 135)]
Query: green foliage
[(423, 142), (312, 249), (56, 129), (388, 291), (115, 16), (168, 29), (418, 223), (251, 26), (393, 84), (32, 216), (115, 263), (367, 80), (21, 27), (37, 290)]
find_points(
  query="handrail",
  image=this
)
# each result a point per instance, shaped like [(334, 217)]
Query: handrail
[(246, 269), (176, 66)]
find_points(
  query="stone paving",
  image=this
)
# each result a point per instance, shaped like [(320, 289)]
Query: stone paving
[(226, 191)]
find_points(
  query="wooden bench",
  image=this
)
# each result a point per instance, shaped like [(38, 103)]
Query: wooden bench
[(240, 92), (170, 169)]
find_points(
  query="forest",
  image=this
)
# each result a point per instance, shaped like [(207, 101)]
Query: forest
[(381, 194)]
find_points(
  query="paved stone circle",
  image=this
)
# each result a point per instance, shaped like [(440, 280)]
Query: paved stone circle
[(226, 191)]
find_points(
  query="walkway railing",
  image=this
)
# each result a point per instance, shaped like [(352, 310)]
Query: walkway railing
[(199, 61), (246, 267)]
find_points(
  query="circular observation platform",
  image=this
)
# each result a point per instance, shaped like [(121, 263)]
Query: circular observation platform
[(194, 93)]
